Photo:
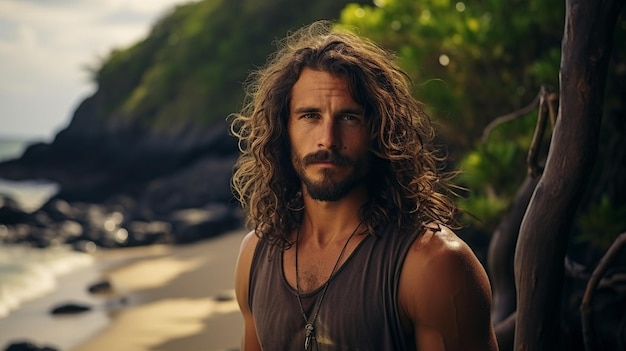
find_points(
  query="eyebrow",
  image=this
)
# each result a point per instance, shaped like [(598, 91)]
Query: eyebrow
[(351, 111)]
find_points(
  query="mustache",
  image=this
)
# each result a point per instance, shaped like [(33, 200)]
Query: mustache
[(327, 156)]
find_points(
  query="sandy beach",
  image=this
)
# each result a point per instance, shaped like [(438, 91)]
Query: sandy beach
[(163, 298)]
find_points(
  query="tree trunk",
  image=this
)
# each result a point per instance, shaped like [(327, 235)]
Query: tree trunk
[(500, 265), (587, 43)]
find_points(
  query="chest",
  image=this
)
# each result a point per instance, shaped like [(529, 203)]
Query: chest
[(307, 269), (359, 310)]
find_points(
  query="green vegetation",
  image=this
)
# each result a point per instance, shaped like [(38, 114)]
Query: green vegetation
[(191, 67), (474, 61), (470, 62), (602, 222)]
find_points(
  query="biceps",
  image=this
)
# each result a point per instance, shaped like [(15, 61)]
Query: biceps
[(454, 337), (429, 339), (453, 311), (249, 340), (459, 322)]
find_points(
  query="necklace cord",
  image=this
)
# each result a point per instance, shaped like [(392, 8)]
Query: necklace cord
[(309, 326)]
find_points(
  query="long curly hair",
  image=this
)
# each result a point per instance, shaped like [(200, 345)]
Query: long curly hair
[(408, 190)]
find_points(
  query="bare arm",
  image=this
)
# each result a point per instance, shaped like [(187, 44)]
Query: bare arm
[(445, 294), (249, 341)]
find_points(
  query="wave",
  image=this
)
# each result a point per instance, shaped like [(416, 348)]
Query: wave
[(27, 273)]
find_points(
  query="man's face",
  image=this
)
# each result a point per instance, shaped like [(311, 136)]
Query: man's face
[(328, 135)]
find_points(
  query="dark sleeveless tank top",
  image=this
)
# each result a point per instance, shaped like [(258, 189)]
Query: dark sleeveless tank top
[(359, 311)]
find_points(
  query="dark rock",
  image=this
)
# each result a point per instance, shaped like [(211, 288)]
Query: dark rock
[(103, 287), (59, 210), (17, 233), (204, 182), (11, 213), (70, 308), (87, 246), (41, 219), (42, 237), (27, 346), (201, 223), (223, 298), (70, 229), (4, 233), (8, 201), (187, 204), (36, 152), (146, 233)]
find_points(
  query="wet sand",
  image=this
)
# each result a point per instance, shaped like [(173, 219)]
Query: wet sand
[(164, 298)]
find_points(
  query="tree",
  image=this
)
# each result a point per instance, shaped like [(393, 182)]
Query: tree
[(587, 45), (473, 61)]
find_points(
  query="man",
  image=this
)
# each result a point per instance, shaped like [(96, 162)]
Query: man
[(350, 249)]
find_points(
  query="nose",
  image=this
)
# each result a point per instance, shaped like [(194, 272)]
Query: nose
[(328, 135)]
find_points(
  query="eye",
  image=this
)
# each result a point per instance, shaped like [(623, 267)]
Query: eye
[(350, 119), (309, 116)]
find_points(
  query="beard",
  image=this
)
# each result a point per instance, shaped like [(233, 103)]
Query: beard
[(329, 189)]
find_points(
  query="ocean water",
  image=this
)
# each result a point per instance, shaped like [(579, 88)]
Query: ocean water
[(28, 273), (12, 148), (29, 194)]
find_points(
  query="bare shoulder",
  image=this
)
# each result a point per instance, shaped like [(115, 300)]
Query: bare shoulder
[(246, 252), (248, 244), (440, 257), (249, 339), (242, 269), (445, 293), (440, 250)]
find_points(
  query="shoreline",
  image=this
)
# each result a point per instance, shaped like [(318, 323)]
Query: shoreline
[(33, 322), (165, 297)]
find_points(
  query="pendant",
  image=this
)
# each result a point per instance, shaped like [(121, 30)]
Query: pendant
[(309, 335)]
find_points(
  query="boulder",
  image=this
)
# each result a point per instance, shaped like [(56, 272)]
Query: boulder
[(28, 346), (103, 287), (11, 213), (70, 308)]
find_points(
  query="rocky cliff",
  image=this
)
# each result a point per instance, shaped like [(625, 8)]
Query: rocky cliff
[(153, 140)]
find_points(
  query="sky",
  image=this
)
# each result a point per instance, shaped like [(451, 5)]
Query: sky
[(45, 47)]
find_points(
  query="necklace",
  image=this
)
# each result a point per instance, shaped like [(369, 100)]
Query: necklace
[(309, 326)]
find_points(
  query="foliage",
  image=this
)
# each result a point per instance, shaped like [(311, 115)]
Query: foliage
[(190, 69), (602, 222), (471, 62)]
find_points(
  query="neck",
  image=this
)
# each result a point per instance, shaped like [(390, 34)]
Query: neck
[(325, 222)]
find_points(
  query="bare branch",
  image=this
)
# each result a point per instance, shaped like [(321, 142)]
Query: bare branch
[(542, 243), (546, 109), (509, 117), (505, 332), (596, 276)]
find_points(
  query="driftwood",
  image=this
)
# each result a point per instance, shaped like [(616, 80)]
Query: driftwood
[(540, 251)]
